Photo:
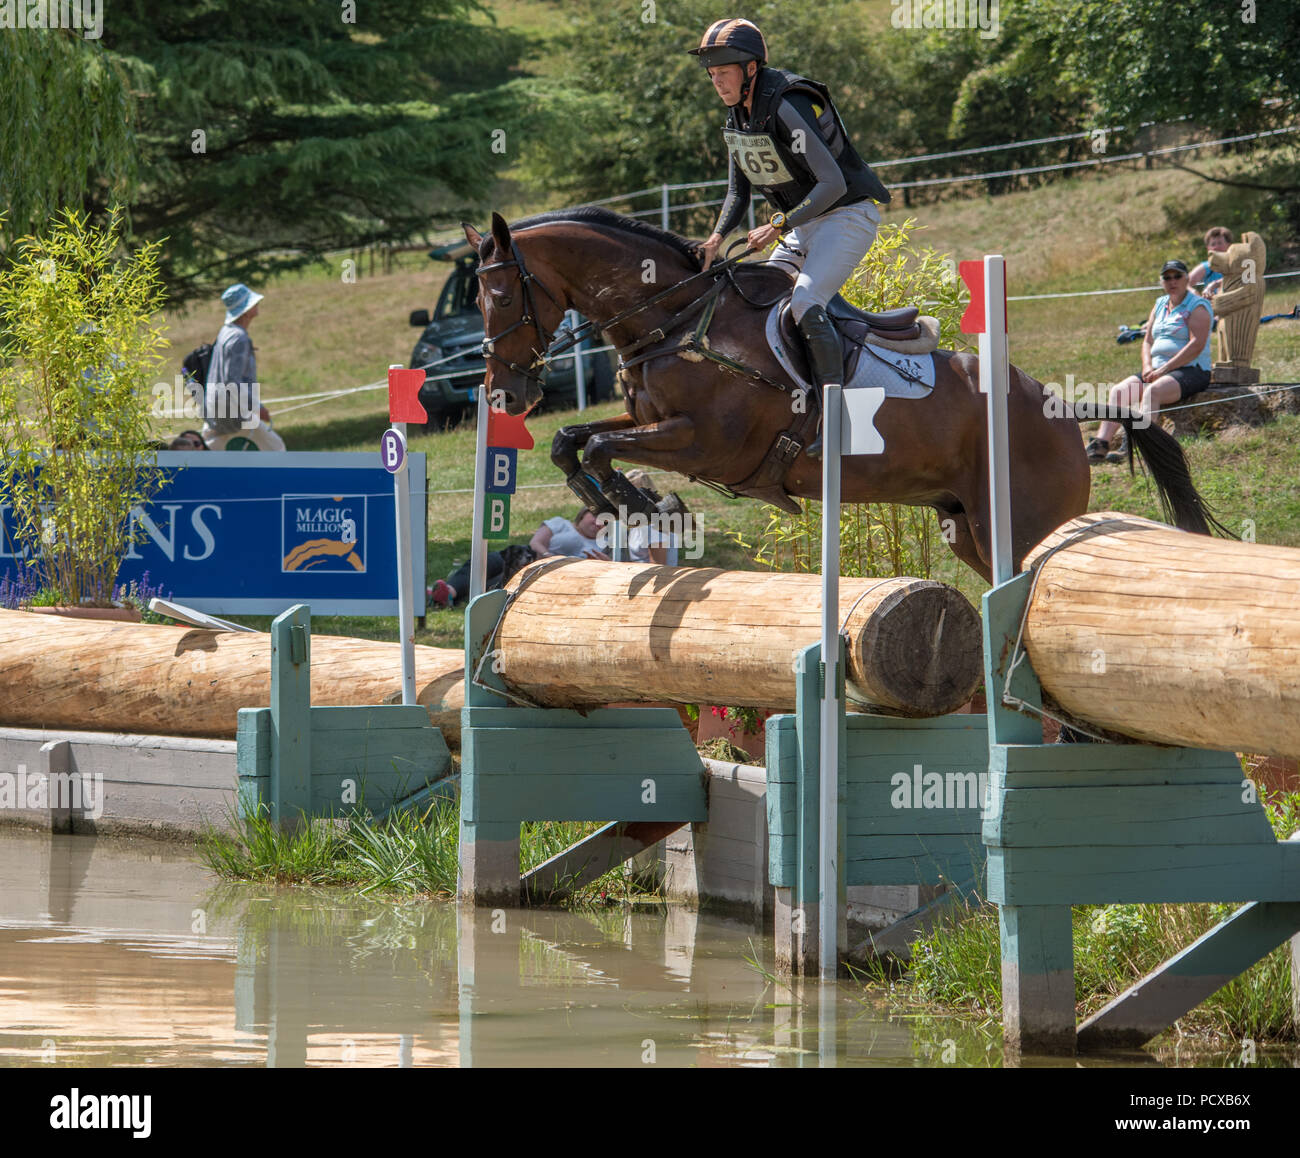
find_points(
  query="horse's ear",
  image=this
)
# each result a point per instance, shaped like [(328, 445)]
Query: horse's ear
[(472, 235), (500, 233)]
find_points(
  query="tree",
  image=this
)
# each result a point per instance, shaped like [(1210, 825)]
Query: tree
[(269, 134), (1218, 64), (65, 129), (650, 114)]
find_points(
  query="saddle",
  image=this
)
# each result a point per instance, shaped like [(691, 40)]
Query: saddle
[(904, 330), (855, 326)]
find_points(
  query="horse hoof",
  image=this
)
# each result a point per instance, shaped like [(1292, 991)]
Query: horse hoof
[(672, 505)]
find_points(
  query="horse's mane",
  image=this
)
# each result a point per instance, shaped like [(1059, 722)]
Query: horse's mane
[(597, 215)]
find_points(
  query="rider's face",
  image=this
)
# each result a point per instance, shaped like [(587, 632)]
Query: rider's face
[(727, 79)]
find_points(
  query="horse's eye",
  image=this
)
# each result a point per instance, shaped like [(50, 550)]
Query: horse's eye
[(503, 300)]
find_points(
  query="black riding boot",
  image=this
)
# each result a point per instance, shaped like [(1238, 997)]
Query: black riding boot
[(825, 359)]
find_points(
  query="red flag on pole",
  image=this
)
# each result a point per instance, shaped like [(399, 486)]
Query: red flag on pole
[(508, 430), (404, 396), (972, 273)]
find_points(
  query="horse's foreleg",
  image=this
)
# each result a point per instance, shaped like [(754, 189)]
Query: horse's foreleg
[(569, 440), (565, 445), (657, 444)]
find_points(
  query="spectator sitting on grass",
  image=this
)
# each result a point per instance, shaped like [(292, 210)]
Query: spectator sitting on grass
[(556, 536)]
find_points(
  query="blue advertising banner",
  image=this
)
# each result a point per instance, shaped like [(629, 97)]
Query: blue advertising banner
[(235, 533)]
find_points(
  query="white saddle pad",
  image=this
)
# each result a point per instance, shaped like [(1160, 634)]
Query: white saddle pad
[(899, 375)]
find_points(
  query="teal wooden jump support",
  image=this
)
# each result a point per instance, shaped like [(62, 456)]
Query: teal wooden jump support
[(910, 805), (626, 766), (301, 763), (1101, 823)]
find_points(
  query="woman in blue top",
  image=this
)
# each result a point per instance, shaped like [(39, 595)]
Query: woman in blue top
[(1175, 357)]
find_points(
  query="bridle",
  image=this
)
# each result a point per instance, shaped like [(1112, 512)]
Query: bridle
[(546, 354), (529, 315)]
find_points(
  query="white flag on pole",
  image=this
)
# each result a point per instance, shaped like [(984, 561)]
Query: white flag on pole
[(858, 433)]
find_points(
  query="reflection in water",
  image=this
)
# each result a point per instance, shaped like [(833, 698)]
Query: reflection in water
[(115, 953)]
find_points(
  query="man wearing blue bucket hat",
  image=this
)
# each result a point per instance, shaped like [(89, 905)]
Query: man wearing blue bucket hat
[(234, 418)]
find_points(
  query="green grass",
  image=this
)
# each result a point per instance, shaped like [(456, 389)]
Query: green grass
[(413, 852), (956, 968)]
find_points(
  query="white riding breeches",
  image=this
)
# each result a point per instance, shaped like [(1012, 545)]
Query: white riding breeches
[(825, 251)]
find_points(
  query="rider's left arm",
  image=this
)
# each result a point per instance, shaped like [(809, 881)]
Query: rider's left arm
[(796, 116)]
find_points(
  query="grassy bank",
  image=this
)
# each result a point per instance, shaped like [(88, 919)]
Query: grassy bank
[(956, 968), (412, 853)]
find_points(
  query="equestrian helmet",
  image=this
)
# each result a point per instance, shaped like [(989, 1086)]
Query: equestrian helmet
[(731, 42)]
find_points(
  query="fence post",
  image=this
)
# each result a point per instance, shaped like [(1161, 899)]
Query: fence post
[(663, 205), (579, 369), (290, 788)]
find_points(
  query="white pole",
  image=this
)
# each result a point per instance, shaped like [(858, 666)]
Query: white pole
[(478, 544), (579, 369), (995, 380), (828, 922), (663, 207), (405, 591)]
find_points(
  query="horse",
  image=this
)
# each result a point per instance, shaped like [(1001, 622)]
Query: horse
[(714, 409)]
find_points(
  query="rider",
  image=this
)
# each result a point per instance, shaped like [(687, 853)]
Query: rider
[(786, 138)]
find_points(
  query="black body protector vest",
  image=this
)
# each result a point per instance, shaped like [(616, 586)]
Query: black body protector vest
[(770, 161)]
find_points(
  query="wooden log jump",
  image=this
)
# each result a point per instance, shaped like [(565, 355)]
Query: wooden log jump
[(95, 676), (578, 633), (1160, 635)]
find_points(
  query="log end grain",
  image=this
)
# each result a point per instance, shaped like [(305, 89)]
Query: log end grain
[(920, 652)]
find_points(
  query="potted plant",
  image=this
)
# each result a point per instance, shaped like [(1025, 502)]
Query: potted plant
[(78, 348)]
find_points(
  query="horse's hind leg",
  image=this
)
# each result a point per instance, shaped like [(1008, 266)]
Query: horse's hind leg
[(955, 528), (565, 445)]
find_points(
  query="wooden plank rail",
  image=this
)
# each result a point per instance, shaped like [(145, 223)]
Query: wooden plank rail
[(1165, 636)]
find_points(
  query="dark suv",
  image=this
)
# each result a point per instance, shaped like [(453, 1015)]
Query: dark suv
[(457, 329)]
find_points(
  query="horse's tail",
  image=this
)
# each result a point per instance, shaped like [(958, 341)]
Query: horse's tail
[(1180, 501)]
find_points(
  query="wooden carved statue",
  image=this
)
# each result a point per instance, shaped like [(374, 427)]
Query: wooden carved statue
[(1238, 307)]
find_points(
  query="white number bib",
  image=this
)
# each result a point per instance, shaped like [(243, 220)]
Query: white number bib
[(757, 157)]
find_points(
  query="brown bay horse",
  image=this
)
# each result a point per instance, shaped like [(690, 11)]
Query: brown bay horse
[(715, 423)]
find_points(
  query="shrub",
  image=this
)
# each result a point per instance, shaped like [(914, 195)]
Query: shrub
[(76, 442)]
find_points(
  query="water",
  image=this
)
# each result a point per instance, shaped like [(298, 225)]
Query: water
[(120, 953), (131, 953)]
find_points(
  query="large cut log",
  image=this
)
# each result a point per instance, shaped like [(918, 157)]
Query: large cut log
[(1161, 635), (579, 632), (88, 675)]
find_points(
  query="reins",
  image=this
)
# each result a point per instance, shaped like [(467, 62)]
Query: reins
[(579, 333)]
